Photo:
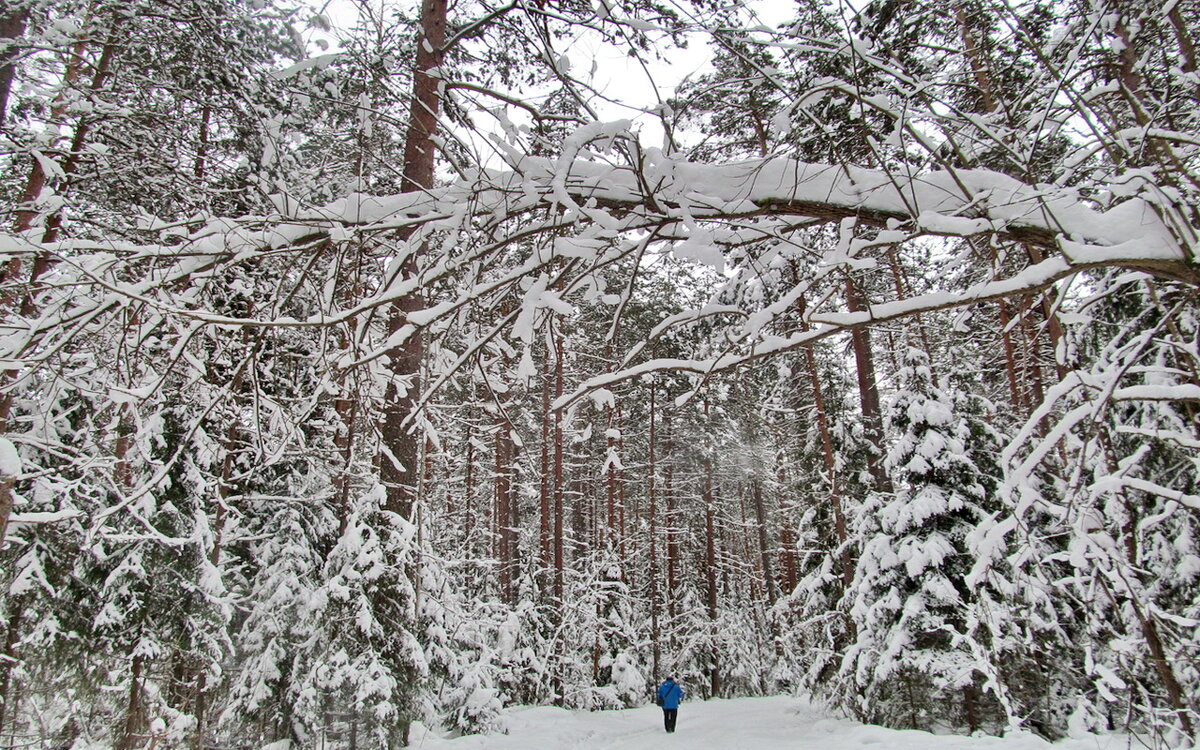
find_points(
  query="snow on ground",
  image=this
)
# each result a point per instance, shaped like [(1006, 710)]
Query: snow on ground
[(775, 723)]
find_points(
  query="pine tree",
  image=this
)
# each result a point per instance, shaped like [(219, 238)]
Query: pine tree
[(912, 662)]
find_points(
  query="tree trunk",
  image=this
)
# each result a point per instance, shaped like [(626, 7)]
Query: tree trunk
[(711, 594), (345, 405), (545, 520), (468, 503), (25, 216), (346, 408), (398, 467), (710, 559), (507, 510), (134, 719), (791, 576), (974, 58), (1015, 394), (122, 472), (27, 213), (1053, 324), (1032, 359), (1187, 47), (399, 472), (12, 28), (669, 519), (868, 391), (557, 495), (652, 502), (558, 474), (787, 539), (513, 525), (846, 563), (764, 546), (622, 536), (610, 471), (903, 286), (9, 659), (224, 490), (502, 513), (201, 164)]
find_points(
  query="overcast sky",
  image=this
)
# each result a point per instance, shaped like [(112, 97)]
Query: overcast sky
[(632, 86)]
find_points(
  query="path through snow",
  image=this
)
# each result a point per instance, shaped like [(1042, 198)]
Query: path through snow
[(774, 723)]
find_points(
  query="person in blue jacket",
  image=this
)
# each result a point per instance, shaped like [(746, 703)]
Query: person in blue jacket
[(669, 694)]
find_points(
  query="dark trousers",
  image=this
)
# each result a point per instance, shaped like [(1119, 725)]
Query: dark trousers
[(669, 715)]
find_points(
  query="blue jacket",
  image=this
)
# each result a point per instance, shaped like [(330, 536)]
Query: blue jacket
[(670, 692)]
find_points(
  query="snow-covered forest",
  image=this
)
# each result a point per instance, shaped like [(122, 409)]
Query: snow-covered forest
[(370, 363)]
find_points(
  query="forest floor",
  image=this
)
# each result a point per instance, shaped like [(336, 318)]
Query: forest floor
[(772, 723)]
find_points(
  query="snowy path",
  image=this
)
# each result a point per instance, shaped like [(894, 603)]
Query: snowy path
[(775, 723)]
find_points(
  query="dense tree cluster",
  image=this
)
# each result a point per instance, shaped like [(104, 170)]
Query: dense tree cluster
[(351, 378)]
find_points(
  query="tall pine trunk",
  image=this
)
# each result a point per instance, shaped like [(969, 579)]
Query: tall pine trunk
[(764, 546), (846, 563), (545, 489), (652, 503), (26, 214), (399, 467), (710, 560), (12, 635), (868, 389), (398, 470), (12, 28)]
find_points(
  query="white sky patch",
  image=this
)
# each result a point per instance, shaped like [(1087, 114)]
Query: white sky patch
[(629, 86)]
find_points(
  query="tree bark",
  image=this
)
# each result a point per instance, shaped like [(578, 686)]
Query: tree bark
[(622, 536), (1187, 47), (557, 494), (12, 28), (545, 520), (610, 472), (398, 468), (134, 719), (345, 406), (868, 390), (710, 559), (9, 658), (468, 504), (711, 594), (1033, 366), (652, 503), (502, 513), (841, 533), (26, 214), (558, 474), (791, 575), (669, 519), (764, 546), (201, 163), (1010, 361), (507, 509)]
